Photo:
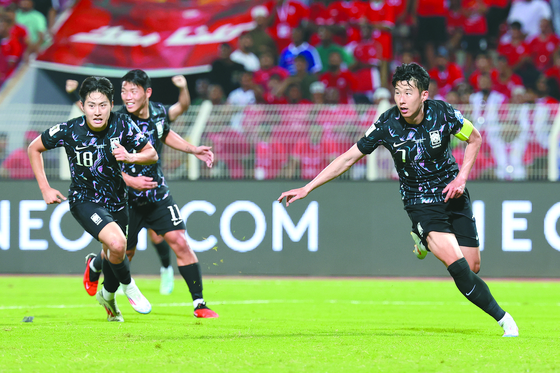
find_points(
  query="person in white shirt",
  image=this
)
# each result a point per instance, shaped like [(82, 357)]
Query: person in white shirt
[(245, 94), (529, 13), (243, 54)]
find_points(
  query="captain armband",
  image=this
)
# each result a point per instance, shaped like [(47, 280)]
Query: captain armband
[(465, 131)]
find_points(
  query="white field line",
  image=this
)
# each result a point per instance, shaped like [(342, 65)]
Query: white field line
[(276, 301)]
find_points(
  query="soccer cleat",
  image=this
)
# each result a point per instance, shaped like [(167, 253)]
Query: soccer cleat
[(419, 248), (509, 326), (136, 299), (203, 312), (167, 280), (89, 275), (113, 313)]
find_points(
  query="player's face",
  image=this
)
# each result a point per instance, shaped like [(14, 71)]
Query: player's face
[(410, 101), (97, 109), (134, 97)]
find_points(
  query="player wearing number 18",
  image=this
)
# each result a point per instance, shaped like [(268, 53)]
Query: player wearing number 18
[(97, 144), (417, 132)]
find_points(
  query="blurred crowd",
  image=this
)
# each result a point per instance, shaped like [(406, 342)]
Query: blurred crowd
[(324, 51), (25, 29)]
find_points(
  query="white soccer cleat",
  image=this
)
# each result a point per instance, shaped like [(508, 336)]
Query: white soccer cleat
[(136, 299), (509, 326), (419, 248), (167, 280), (113, 313)]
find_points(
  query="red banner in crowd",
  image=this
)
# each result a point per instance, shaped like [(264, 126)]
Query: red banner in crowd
[(164, 37)]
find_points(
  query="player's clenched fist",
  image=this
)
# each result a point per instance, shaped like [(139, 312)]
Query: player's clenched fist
[(180, 81)]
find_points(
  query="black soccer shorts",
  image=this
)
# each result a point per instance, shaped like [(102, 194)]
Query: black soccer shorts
[(454, 216), (161, 216), (93, 217)]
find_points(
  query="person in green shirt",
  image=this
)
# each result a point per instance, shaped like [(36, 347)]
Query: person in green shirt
[(328, 46), (35, 22)]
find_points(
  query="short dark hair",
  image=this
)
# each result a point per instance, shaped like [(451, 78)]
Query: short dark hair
[(96, 84), (139, 78), (412, 72)]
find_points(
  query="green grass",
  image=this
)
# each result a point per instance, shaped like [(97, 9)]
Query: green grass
[(280, 325)]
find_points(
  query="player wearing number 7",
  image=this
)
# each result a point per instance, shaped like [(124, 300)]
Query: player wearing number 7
[(417, 132), (97, 144)]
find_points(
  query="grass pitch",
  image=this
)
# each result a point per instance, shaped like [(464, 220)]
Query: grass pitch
[(279, 325)]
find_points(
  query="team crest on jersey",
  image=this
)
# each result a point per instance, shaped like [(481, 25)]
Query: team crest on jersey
[(435, 139), (159, 127), (114, 142), (54, 129)]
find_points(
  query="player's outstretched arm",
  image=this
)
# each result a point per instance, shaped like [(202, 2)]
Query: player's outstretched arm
[(456, 188), (176, 142), (184, 100), (340, 165), (140, 183), (147, 155), (34, 151)]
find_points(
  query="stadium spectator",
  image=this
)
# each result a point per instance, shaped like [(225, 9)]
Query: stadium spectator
[(35, 23), (262, 41), (311, 154), (368, 55), (433, 91), (475, 29), (506, 80), (16, 165), (452, 98), (554, 70), (543, 46), (271, 156), (302, 77), (243, 54), (216, 94), (529, 13), (268, 69), (343, 81), (101, 195), (381, 15), (13, 45), (547, 90), (455, 19), (225, 72), (514, 46), (244, 95), (328, 46), (428, 16), (317, 90), (201, 87), (294, 95), (484, 66), (274, 93), (299, 47), (495, 18), (486, 95), (286, 15), (447, 74), (430, 189)]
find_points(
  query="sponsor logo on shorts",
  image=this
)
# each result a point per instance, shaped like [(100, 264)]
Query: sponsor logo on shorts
[(420, 229), (96, 219)]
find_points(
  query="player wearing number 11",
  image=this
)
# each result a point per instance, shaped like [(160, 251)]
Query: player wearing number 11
[(417, 132), (97, 144)]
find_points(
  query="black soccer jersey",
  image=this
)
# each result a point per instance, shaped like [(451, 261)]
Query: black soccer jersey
[(421, 153), (96, 174), (155, 128)]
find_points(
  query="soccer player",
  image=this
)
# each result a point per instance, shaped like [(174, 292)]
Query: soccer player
[(417, 132), (97, 144), (150, 202)]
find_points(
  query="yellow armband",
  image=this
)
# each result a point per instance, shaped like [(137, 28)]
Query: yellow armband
[(465, 131)]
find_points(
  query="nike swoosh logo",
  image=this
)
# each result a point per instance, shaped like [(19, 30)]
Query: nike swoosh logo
[(81, 147), (176, 223), (470, 292), (396, 145)]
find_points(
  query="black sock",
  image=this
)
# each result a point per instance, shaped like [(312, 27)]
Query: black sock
[(474, 288), (110, 282), (164, 253), (121, 270), (193, 278), (98, 264)]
